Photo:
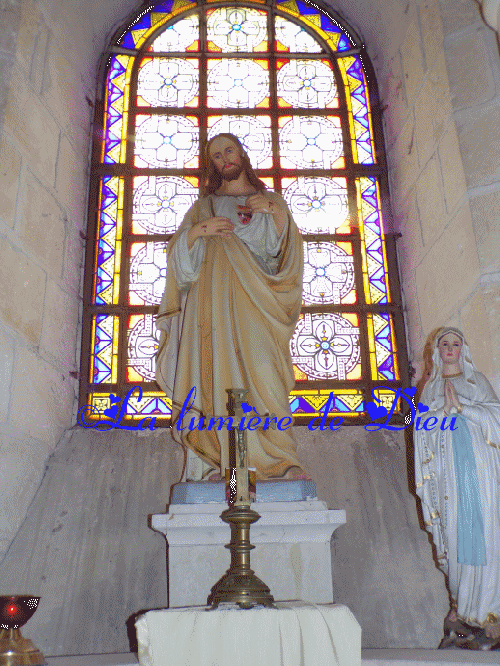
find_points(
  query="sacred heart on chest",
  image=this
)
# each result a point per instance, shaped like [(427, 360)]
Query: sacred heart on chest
[(244, 214)]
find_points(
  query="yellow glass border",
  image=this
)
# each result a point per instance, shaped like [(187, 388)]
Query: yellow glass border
[(326, 393), (331, 40), (100, 400), (126, 101), (159, 19), (118, 240), (366, 278), (344, 63), (114, 349), (373, 352)]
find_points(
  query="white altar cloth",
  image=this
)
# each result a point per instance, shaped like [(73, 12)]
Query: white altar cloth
[(296, 633)]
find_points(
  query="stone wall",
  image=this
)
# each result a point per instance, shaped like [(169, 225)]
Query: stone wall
[(86, 549), (437, 68), (48, 65), (440, 90)]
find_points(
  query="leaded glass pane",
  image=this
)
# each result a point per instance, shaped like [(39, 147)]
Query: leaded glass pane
[(307, 143), (306, 84), (152, 403), (326, 346), (382, 345), (372, 240), (293, 38), (328, 273), (319, 205), (311, 16), (148, 272), (108, 247), (168, 82), (237, 30), (104, 349), (99, 402), (160, 203), (234, 83), (143, 340), (166, 141), (147, 21), (346, 402), (115, 121), (236, 80), (359, 114), (253, 132), (386, 399), (181, 36)]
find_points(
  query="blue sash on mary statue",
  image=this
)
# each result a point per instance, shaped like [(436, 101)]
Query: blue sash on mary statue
[(471, 547)]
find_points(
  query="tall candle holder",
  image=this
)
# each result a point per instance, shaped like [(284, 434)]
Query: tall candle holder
[(239, 584)]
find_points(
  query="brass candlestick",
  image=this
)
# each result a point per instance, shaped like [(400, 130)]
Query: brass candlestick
[(239, 584), (15, 650)]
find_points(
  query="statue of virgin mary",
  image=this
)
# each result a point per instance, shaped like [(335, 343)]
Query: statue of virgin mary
[(457, 473)]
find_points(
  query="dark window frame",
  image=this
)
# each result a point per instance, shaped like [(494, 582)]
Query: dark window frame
[(379, 170)]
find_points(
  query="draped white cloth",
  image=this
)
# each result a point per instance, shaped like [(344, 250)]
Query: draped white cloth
[(491, 13), (296, 633), (227, 315), (475, 589)]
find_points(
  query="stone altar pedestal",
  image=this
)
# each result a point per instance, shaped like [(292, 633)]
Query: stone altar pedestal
[(292, 539)]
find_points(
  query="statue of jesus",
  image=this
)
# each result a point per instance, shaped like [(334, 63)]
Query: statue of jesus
[(231, 303)]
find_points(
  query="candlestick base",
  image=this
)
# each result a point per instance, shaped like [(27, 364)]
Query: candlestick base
[(239, 584), (15, 611), (18, 651)]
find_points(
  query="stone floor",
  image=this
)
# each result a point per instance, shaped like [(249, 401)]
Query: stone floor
[(414, 657), (394, 657)]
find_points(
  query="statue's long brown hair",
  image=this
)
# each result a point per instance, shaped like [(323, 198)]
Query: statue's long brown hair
[(428, 363), (214, 177)]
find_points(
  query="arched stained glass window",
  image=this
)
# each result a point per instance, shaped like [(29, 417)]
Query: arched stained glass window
[(291, 83)]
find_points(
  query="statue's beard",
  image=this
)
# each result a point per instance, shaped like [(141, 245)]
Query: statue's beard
[(233, 172)]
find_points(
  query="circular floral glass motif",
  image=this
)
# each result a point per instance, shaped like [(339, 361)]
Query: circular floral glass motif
[(168, 82), (325, 346), (165, 141), (311, 142), (252, 133), (177, 37), (295, 38), (160, 202), (148, 271), (318, 205), (236, 83), (306, 84), (143, 343), (234, 30), (328, 273)]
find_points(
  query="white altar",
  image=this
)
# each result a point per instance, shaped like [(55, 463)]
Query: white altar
[(292, 554), (292, 634)]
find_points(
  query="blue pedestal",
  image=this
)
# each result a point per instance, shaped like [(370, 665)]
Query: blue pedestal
[(203, 492)]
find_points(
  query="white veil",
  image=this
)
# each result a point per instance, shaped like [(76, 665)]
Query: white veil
[(434, 389)]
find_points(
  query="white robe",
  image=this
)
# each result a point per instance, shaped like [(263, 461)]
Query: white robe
[(475, 589), (228, 313), (259, 236)]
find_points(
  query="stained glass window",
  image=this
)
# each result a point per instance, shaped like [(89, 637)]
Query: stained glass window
[(292, 82)]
